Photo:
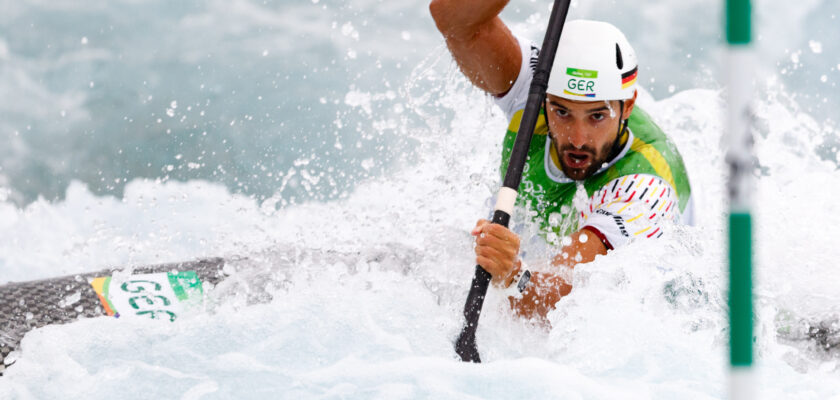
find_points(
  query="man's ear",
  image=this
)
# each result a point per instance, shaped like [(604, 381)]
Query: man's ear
[(629, 103)]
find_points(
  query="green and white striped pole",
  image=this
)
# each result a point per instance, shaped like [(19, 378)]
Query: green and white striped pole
[(739, 158)]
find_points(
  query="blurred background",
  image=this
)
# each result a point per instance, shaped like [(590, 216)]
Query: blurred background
[(301, 99), (335, 146)]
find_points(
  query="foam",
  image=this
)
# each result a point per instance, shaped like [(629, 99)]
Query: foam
[(646, 322)]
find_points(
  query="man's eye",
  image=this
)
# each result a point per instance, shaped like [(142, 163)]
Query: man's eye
[(598, 117), (561, 112)]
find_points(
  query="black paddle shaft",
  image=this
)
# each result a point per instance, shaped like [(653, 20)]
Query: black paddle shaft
[(466, 346)]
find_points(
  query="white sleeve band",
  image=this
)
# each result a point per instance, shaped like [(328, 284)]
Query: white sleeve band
[(612, 229)]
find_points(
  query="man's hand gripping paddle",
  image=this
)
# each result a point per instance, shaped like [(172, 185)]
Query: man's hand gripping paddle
[(466, 346)]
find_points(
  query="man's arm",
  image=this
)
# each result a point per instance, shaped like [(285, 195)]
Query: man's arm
[(484, 48), (546, 289), (496, 249), (632, 206)]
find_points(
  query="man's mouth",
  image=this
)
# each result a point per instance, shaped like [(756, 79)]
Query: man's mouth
[(576, 159)]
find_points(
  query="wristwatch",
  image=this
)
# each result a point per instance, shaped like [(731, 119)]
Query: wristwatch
[(520, 281)]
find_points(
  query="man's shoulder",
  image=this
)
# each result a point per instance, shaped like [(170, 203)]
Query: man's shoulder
[(651, 144), (517, 96), (653, 152), (643, 127)]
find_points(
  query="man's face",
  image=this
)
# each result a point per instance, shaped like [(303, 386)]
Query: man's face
[(584, 132)]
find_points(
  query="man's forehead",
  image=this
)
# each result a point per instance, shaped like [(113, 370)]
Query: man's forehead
[(577, 104)]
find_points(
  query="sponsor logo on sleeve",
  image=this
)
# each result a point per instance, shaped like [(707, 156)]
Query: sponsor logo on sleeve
[(535, 57), (618, 220)]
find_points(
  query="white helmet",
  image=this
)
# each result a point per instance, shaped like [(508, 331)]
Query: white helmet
[(594, 62)]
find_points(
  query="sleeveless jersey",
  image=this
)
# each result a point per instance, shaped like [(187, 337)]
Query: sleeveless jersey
[(650, 160), (644, 186)]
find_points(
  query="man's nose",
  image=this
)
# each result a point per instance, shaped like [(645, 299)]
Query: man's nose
[(577, 135)]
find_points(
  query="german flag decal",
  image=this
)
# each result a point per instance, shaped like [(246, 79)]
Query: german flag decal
[(628, 78)]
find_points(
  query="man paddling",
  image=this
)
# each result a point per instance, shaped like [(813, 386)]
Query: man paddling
[(590, 137)]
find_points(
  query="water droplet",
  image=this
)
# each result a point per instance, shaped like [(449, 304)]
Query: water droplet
[(348, 30), (367, 164), (565, 241)]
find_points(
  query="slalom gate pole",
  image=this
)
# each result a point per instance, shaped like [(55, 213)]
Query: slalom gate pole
[(465, 346), (739, 160)]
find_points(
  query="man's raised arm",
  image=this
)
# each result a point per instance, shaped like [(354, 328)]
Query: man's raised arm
[(484, 48)]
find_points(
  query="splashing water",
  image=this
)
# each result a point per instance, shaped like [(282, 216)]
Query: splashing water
[(367, 276)]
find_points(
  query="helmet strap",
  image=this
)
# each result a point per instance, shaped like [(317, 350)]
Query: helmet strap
[(621, 136), (547, 126)]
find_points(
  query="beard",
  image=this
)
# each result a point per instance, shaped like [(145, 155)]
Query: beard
[(596, 160)]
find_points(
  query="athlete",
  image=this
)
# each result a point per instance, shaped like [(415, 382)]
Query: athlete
[(590, 138)]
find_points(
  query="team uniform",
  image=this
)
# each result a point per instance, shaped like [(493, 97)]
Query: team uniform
[(637, 194)]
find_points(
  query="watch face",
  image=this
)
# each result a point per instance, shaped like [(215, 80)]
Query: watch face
[(523, 282)]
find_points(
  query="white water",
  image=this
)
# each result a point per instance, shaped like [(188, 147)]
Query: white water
[(378, 320)]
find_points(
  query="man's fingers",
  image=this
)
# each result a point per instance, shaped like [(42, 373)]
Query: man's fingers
[(493, 254), (507, 248), (494, 262), (502, 233), (499, 236), (488, 264), (496, 248), (479, 226)]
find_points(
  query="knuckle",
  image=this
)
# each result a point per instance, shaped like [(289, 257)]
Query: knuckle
[(487, 264)]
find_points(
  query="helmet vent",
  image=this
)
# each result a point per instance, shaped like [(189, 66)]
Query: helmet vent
[(619, 61)]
